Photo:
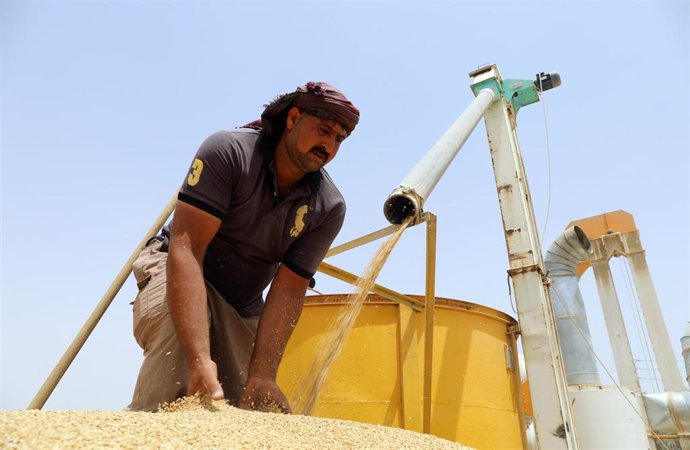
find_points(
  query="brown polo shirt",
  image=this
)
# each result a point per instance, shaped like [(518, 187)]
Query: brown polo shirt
[(232, 177)]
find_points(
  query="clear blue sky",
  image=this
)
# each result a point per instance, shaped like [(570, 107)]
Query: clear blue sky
[(105, 103)]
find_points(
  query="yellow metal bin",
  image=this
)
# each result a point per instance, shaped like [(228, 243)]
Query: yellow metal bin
[(379, 376)]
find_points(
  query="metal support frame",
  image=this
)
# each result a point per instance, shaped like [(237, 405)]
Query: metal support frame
[(430, 297), (615, 326), (628, 245), (415, 398), (548, 385), (352, 279), (378, 234), (411, 390), (661, 342)]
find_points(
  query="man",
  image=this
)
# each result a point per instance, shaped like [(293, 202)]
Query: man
[(256, 208)]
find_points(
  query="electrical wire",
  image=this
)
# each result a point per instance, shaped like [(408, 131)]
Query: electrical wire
[(636, 321), (510, 294), (634, 301), (548, 163)]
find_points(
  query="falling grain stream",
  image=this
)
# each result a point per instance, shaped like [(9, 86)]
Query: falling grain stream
[(327, 352)]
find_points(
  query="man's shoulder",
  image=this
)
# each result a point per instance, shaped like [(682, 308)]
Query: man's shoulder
[(329, 191), (241, 137), (237, 147)]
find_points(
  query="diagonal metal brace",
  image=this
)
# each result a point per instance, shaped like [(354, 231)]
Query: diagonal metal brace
[(389, 294)]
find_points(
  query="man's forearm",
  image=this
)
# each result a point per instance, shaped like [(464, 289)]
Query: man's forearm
[(281, 312), (187, 304)]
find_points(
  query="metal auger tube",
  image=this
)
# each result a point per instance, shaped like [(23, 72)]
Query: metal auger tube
[(408, 198), (569, 249)]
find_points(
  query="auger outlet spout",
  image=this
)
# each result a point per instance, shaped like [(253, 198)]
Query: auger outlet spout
[(408, 198)]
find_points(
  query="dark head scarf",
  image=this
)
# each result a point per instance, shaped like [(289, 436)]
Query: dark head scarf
[(318, 96)]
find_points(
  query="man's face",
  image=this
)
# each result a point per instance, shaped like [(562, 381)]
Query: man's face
[(311, 141)]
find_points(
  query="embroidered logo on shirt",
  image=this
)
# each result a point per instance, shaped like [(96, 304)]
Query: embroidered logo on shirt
[(299, 221), (195, 174)]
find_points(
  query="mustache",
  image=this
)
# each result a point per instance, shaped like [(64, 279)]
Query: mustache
[(322, 151)]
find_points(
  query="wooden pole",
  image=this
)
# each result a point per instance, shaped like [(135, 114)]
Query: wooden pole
[(83, 334)]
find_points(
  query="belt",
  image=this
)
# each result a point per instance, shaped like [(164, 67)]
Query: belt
[(155, 238), (143, 283), (159, 238)]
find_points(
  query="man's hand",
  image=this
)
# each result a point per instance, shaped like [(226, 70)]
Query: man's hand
[(203, 378), (263, 394), (282, 309)]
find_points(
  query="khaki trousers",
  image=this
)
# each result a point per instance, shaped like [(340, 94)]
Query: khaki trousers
[(164, 373)]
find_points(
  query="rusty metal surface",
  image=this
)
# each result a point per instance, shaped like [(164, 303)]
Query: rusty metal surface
[(538, 330)]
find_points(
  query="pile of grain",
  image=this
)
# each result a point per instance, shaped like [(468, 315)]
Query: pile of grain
[(193, 423), (331, 345)]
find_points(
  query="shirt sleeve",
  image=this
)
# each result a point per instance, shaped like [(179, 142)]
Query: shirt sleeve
[(211, 178), (306, 253)]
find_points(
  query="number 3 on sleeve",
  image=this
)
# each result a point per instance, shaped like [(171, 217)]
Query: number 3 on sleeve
[(195, 174)]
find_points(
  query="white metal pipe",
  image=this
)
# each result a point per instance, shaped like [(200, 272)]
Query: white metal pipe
[(668, 412), (408, 198), (560, 261)]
